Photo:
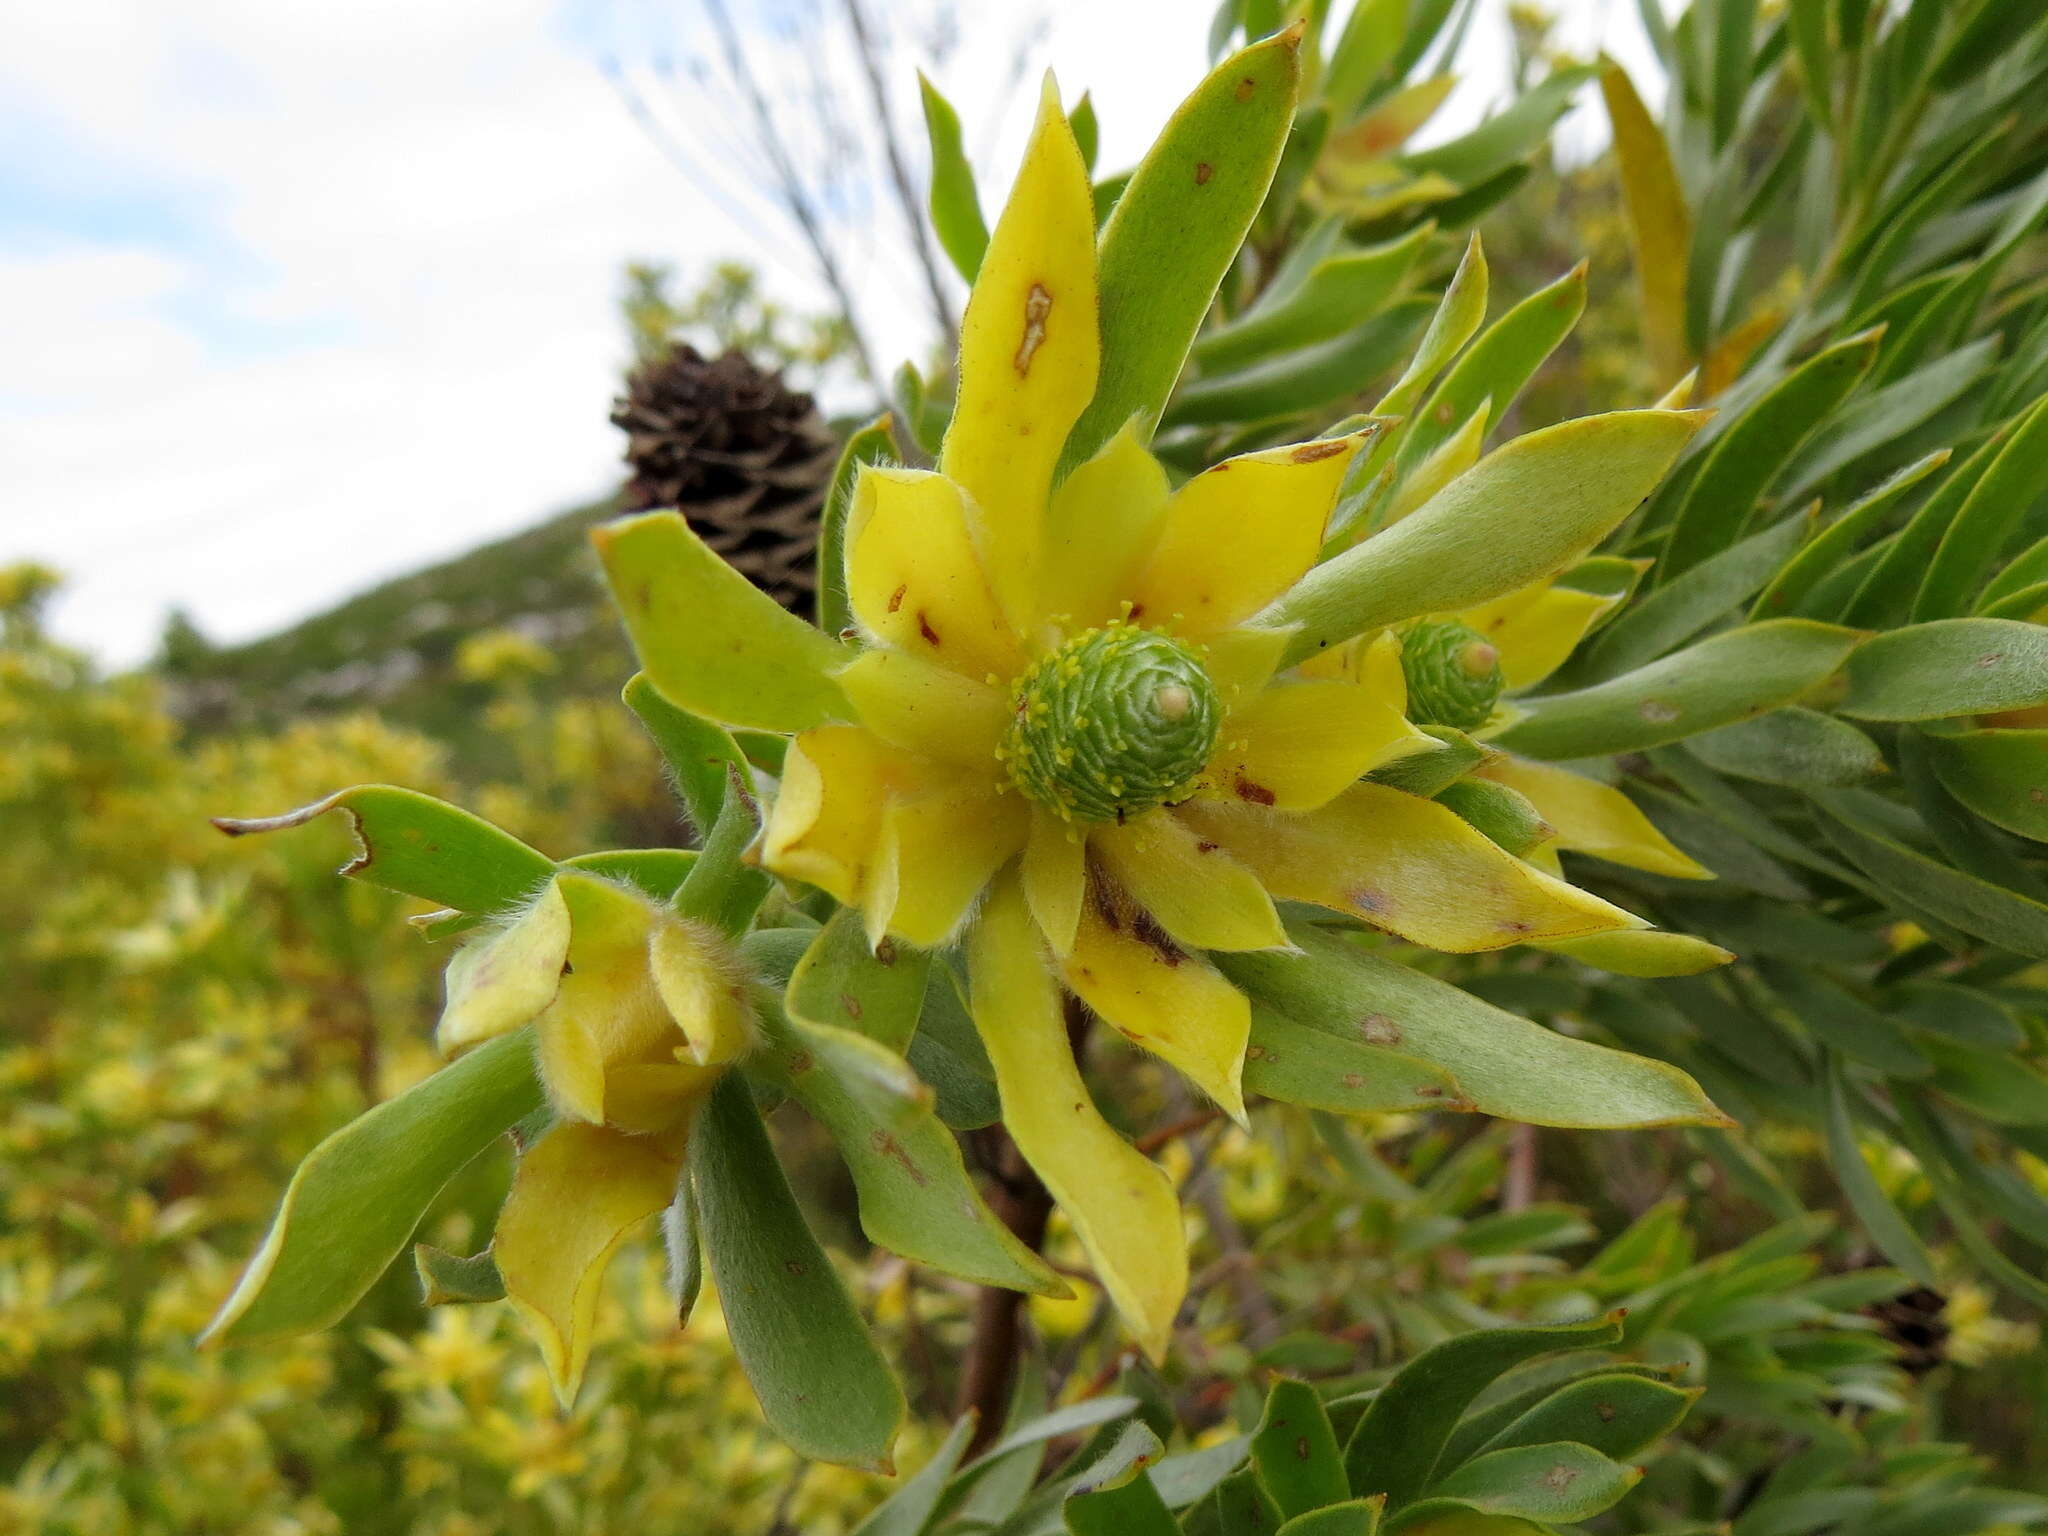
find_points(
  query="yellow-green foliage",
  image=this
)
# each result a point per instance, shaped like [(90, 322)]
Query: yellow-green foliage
[(184, 1018)]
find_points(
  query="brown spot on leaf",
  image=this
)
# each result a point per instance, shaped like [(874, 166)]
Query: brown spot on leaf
[(924, 627), (850, 1004), (2037, 795), (885, 952), (1606, 1412), (1301, 1449), (1560, 1477), (1366, 899), (1378, 1029), (1146, 930), (794, 1266), (1037, 305), (1991, 660), (799, 1063), (1205, 846), (1245, 87), (892, 1149), (1321, 448), (1203, 172), (1658, 712), (1354, 1079), (1429, 1091), (1258, 794), (896, 597)]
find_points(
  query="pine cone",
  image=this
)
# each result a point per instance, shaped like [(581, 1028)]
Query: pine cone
[(746, 459), (1914, 1322)]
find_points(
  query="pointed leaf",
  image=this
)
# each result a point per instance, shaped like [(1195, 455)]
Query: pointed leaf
[(1659, 224), (710, 640), (915, 1196), (358, 1195), (421, 846), (1532, 1482), (841, 981), (1796, 747), (1618, 1414), (1299, 1064), (1505, 1065), (1295, 1451), (1396, 1447), (955, 204), (823, 1385), (1724, 678), (1178, 226), (1948, 667), (911, 1509), (1475, 539)]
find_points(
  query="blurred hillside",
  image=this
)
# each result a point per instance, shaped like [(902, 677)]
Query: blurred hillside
[(398, 648)]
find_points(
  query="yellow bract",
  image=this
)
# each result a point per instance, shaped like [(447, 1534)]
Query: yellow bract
[(1103, 520), (579, 1192), (1238, 535), (1122, 1206), (1593, 818), (1536, 628), (1304, 743), (1407, 865), (913, 576), (1029, 345)]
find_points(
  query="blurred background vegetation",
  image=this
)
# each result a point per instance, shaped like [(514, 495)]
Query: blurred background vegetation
[(187, 1017)]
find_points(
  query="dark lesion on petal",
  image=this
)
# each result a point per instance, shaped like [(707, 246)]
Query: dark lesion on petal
[(1037, 305)]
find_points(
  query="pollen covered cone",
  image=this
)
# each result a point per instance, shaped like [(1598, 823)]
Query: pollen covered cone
[(636, 1012), (1065, 744), (1091, 726)]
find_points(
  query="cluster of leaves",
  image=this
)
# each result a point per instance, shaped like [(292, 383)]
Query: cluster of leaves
[(1796, 645)]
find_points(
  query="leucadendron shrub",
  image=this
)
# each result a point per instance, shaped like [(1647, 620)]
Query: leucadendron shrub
[(1074, 743)]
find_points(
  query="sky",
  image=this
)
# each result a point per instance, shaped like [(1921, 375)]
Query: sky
[(295, 297)]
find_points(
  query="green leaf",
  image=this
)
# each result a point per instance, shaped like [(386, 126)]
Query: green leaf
[(1133, 1509), (1337, 295), (1748, 455), (1496, 366), (1295, 1451), (1838, 1018), (660, 872), (955, 204), (1893, 1235), (1292, 383), (1893, 580), (449, 1277), (358, 1195), (822, 1384), (1734, 24), (947, 1053), (1087, 131), (874, 992), (1885, 416), (1432, 770), (1353, 1517), (1976, 906), (710, 640), (1991, 1084), (1948, 667), (701, 754), (683, 1239), (911, 1509), (1193, 1475), (1985, 522), (1796, 747), (1177, 228), (421, 846), (1804, 573), (915, 1196), (1724, 678), (1242, 1507), (1459, 313), (1371, 37), (1531, 1482), (1675, 612), (1396, 1447), (1483, 535), (1298, 1064), (2002, 775), (1507, 136), (1505, 816), (874, 443), (1488, 1428), (1504, 1065), (1616, 1414)]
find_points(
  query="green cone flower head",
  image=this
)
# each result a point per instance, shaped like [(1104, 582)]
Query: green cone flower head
[(1117, 721), (1453, 674)]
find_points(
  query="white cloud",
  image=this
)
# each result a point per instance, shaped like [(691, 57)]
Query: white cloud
[(384, 328)]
